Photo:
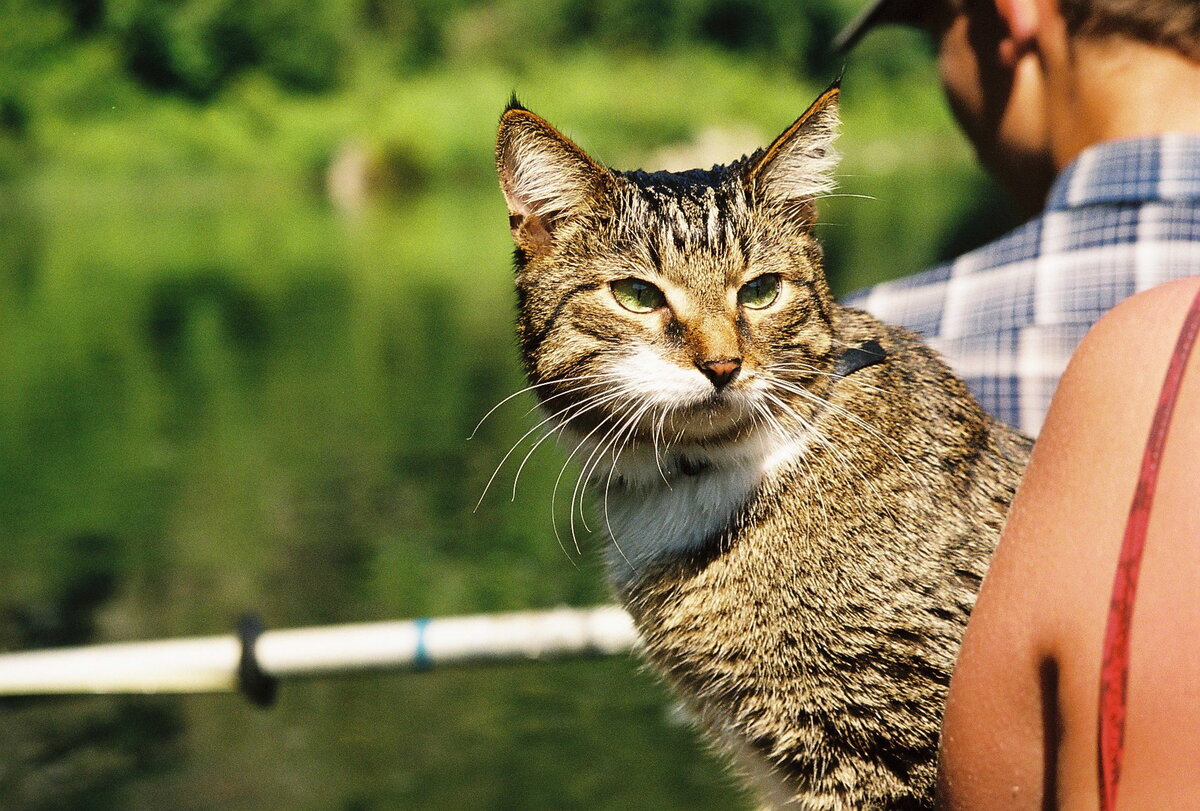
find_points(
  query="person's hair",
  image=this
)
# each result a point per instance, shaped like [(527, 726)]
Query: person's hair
[(1170, 23)]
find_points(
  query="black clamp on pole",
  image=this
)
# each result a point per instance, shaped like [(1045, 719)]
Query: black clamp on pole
[(253, 683)]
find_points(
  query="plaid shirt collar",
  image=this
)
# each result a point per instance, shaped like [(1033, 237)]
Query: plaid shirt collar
[(1123, 217), (1139, 170)]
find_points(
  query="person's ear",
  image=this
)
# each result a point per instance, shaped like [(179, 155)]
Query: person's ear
[(1022, 19)]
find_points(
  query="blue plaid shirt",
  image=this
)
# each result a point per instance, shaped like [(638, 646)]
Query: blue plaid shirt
[(1124, 217)]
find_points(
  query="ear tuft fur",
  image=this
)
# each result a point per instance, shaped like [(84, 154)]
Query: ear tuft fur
[(798, 166), (514, 104)]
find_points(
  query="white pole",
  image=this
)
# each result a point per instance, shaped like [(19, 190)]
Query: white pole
[(211, 664), (198, 665)]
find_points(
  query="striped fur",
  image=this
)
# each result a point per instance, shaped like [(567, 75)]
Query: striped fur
[(800, 550)]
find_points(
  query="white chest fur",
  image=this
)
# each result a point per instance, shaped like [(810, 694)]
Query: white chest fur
[(672, 504)]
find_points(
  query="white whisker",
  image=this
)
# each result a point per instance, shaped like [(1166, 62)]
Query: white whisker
[(845, 194), (846, 462), (519, 392), (558, 481), (506, 456), (888, 443), (810, 371), (592, 402), (626, 426)]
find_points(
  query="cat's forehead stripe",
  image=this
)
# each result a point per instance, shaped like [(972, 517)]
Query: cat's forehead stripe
[(697, 188), (688, 211)]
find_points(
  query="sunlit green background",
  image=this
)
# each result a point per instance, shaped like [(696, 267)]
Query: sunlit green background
[(224, 387)]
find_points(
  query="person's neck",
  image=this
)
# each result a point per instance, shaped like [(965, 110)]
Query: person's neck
[(1114, 89)]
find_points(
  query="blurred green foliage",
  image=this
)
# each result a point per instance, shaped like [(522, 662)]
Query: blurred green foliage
[(196, 48), (220, 390)]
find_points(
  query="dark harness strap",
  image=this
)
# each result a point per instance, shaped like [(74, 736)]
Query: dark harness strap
[(1114, 673), (859, 357)]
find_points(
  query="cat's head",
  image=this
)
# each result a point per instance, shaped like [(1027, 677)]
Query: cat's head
[(689, 306)]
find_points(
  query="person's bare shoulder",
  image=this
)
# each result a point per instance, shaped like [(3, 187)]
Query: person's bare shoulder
[(1118, 383), (1081, 479), (1085, 469), (1035, 638), (1134, 339)]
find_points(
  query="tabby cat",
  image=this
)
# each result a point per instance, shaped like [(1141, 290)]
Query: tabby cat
[(801, 500)]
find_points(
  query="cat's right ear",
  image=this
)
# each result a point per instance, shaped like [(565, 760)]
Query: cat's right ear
[(545, 177)]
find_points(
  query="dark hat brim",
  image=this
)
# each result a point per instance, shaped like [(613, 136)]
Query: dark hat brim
[(879, 12)]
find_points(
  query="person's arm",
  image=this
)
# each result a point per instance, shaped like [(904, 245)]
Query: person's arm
[(1020, 724)]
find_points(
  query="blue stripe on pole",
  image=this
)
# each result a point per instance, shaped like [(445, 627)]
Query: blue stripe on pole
[(421, 660)]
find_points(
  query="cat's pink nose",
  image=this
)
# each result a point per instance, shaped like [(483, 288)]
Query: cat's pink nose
[(721, 372)]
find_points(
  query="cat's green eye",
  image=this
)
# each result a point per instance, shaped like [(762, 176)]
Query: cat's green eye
[(759, 293), (637, 296)]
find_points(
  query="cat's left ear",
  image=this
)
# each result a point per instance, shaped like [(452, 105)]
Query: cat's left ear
[(798, 166)]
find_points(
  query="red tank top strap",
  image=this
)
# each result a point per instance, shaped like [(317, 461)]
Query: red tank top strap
[(1114, 674)]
